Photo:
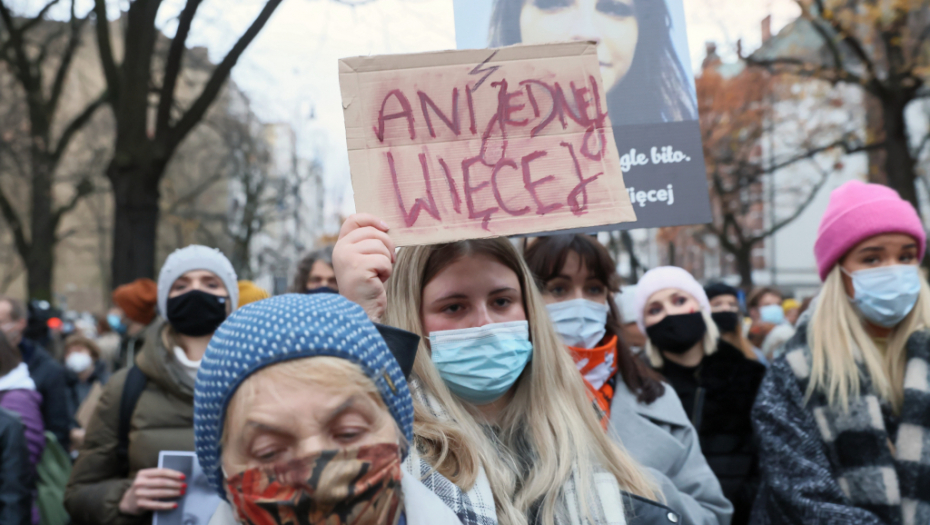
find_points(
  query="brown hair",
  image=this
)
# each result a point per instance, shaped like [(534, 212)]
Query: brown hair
[(546, 258), (757, 294), (79, 340), (10, 357), (305, 266), (17, 309)]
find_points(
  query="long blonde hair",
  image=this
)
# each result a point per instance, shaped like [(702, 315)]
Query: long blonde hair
[(709, 341), (839, 343), (549, 417)]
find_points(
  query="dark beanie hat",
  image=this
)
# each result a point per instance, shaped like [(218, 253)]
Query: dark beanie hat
[(718, 289)]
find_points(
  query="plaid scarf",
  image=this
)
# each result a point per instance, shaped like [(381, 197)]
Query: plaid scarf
[(473, 507), (891, 480), (606, 505)]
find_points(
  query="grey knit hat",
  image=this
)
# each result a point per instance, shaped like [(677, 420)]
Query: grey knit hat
[(196, 257)]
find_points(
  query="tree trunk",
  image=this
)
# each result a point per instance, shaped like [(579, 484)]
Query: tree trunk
[(744, 265), (899, 164), (40, 261), (875, 128), (627, 240), (136, 198), (242, 258)]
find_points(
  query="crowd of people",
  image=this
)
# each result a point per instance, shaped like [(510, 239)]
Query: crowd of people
[(483, 382)]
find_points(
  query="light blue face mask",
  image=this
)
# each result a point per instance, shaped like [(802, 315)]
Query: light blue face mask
[(772, 313), (481, 364), (581, 323), (116, 323), (885, 295)]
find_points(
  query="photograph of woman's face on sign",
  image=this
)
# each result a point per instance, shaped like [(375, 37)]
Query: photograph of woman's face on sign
[(646, 74), (640, 65)]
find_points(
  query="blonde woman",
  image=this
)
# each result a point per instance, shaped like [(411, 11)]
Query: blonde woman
[(498, 403), (716, 383), (842, 417)]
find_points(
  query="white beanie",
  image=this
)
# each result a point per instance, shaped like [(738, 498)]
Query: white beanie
[(663, 278), (195, 257)]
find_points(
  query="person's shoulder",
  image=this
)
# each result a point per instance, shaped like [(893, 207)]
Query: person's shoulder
[(728, 354), (22, 398), (117, 379), (42, 360), (666, 408), (11, 425)]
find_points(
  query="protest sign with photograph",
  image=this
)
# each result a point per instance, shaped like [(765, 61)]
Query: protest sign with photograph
[(200, 501), (649, 84), (469, 144)]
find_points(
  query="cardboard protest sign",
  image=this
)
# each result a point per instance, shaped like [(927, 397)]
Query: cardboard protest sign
[(648, 84), (469, 144)]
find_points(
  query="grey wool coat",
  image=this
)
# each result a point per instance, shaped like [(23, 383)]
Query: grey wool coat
[(660, 437)]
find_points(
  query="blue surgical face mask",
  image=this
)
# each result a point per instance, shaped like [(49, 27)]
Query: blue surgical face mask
[(885, 295), (772, 313), (480, 364), (116, 323), (581, 323)]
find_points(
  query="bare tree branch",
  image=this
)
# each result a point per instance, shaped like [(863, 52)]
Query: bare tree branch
[(219, 77), (173, 66), (34, 21), (105, 48), (197, 191), (847, 37), (799, 209), (77, 124), (83, 189), (74, 40), (16, 225)]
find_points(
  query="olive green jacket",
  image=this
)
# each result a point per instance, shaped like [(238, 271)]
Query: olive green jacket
[(162, 420)]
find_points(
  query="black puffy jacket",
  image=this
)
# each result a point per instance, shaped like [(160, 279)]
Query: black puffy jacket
[(16, 481), (51, 381), (717, 396)]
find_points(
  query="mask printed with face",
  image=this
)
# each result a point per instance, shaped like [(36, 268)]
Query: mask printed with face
[(332, 487)]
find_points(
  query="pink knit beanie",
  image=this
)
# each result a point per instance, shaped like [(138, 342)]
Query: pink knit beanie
[(663, 278), (858, 211)]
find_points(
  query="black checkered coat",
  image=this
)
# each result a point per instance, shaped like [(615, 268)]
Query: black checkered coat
[(827, 466)]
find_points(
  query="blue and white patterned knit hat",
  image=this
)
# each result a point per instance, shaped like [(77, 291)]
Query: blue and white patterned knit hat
[(279, 329)]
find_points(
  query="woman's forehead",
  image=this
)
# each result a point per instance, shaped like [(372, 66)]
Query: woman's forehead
[(316, 398), (472, 270)]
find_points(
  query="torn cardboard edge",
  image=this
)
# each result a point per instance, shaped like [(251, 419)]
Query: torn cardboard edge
[(452, 57)]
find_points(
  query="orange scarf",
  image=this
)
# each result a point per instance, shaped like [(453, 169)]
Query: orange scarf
[(598, 367)]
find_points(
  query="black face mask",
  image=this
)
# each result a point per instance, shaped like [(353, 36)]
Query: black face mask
[(726, 321), (197, 313), (322, 289), (676, 334)]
